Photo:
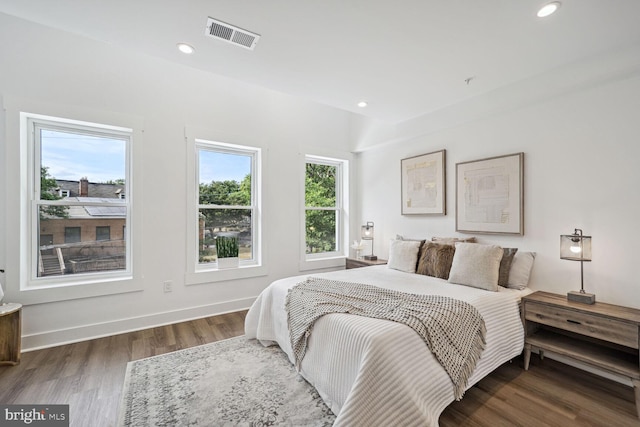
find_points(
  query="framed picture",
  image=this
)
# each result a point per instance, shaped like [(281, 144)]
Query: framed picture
[(490, 195), (423, 184)]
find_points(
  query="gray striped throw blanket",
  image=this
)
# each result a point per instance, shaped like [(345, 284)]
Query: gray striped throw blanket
[(453, 330)]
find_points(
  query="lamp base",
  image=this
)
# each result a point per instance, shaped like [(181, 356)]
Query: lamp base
[(581, 297), (371, 257)]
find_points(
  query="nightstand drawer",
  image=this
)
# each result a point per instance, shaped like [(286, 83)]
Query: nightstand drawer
[(587, 324)]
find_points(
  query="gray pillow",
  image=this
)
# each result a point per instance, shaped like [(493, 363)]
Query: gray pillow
[(505, 266), (521, 270), (476, 265)]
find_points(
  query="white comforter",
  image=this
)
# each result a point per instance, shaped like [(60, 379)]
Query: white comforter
[(374, 372)]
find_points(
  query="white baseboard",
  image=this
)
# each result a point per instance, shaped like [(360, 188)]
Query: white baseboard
[(98, 330)]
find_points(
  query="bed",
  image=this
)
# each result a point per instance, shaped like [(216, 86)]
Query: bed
[(377, 372)]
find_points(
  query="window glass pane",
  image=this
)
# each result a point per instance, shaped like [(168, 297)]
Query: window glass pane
[(80, 242), (67, 157), (225, 179), (321, 231), (320, 185), (213, 222)]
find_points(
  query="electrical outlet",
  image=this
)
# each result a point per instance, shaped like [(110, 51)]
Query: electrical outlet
[(167, 286)]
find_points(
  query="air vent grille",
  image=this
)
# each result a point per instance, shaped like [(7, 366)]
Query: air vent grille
[(231, 34)]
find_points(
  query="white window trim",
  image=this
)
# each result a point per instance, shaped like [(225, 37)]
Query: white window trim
[(335, 258), (30, 289), (198, 273)]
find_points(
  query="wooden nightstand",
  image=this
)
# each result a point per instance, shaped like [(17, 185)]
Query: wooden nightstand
[(602, 335), (357, 263), (10, 333)]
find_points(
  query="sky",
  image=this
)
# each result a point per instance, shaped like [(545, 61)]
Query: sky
[(73, 156), (215, 166)]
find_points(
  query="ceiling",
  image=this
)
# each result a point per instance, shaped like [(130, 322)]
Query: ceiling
[(405, 58)]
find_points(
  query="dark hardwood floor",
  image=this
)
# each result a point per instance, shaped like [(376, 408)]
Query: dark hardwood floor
[(89, 376)]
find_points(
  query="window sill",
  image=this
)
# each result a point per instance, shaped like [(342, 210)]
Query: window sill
[(322, 263), (226, 274), (69, 291)]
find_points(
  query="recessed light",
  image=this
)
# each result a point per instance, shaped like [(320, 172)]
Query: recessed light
[(362, 104), (548, 9), (185, 48)]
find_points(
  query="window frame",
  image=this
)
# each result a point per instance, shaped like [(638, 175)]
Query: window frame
[(199, 273), (333, 258), (32, 124)]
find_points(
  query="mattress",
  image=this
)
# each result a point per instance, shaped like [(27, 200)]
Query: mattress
[(375, 372)]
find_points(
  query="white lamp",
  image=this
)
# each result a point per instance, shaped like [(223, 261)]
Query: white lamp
[(576, 247)]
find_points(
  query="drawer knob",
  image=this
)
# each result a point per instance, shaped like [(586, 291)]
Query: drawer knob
[(575, 322)]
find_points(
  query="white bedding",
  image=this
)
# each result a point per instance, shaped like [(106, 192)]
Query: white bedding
[(376, 372)]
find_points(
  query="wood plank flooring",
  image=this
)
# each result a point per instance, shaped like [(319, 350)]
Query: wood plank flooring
[(89, 376)]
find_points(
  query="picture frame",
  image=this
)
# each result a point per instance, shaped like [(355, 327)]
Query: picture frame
[(423, 184), (490, 195)]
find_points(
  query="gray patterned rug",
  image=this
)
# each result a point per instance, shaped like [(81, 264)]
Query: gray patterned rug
[(235, 382)]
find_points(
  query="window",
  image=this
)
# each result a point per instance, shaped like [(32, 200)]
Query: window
[(71, 235), (103, 233), (77, 169), (324, 212), (227, 198)]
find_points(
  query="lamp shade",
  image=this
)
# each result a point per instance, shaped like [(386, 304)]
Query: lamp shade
[(575, 247), (366, 231)]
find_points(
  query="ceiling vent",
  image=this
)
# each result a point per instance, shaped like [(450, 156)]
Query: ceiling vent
[(231, 34)]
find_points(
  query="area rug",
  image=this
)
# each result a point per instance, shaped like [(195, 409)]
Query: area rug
[(235, 382)]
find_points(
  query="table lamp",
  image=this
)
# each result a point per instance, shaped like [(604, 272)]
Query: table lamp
[(576, 247), (367, 234)]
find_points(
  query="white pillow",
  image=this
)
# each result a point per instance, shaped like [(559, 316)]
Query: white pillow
[(476, 265), (403, 255), (520, 271)]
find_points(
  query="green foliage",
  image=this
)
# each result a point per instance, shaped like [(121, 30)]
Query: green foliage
[(48, 186), (320, 191), (226, 193), (226, 246), (119, 181), (320, 185)]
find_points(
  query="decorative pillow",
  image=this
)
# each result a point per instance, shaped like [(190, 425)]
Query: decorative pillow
[(435, 260), (520, 271), (476, 265), (403, 255), (505, 265), (409, 239), (453, 240)]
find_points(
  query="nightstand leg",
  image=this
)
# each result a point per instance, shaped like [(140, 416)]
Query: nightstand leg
[(541, 353), (636, 390), (527, 356)]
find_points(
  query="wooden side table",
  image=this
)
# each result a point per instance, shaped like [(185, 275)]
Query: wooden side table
[(357, 263), (10, 333), (605, 336)]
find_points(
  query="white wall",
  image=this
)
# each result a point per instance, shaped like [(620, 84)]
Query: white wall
[(581, 148), (46, 71)]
